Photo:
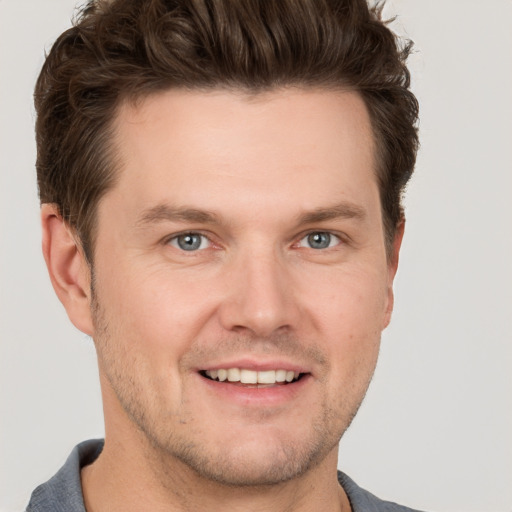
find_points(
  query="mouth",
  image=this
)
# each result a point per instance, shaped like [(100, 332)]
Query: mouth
[(252, 378)]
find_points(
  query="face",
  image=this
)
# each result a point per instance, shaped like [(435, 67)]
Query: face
[(241, 280)]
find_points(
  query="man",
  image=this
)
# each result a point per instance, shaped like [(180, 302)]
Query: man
[(220, 185)]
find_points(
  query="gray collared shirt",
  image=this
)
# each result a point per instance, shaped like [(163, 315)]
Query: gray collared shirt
[(63, 492)]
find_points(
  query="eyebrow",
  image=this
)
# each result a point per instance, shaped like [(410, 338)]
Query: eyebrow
[(167, 213), (345, 210), (164, 212)]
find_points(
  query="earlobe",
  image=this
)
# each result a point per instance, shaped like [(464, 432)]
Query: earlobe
[(392, 268), (67, 267)]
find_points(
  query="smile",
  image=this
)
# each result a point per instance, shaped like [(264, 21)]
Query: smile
[(245, 376)]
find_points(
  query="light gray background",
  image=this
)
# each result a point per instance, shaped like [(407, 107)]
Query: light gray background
[(436, 429)]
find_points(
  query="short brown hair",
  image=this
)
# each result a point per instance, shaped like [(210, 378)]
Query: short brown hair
[(126, 49)]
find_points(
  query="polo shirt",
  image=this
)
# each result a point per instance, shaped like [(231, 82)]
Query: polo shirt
[(63, 492)]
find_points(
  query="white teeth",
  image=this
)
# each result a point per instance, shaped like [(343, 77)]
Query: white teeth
[(233, 375), (280, 375), (248, 377), (267, 377), (251, 376)]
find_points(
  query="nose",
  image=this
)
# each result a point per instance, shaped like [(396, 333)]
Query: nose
[(259, 296)]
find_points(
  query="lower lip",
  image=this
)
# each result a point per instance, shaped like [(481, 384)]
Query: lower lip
[(257, 396)]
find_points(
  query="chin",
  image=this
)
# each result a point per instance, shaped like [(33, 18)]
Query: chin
[(263, 460), (250, 471)]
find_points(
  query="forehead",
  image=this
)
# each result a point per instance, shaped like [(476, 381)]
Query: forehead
[(201, 147), (303, 114)]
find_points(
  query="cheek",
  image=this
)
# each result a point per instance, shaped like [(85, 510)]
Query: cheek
[(146, 329), (352, 298), (351, 317), (154, 309)]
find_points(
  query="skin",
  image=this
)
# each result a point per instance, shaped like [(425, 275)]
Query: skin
[(253, 176)]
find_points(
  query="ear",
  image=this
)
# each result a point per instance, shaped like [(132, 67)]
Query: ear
[(392, 268), (69, 272)]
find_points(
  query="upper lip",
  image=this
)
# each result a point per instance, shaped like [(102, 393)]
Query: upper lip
[(257, 365)]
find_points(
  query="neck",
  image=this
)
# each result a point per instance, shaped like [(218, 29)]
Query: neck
[(139, 479)]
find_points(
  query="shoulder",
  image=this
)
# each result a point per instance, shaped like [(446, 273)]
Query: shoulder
[(364, 501), (63, 492)]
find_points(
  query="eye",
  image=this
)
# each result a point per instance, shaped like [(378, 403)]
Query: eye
[(190, 242), (319, 240)]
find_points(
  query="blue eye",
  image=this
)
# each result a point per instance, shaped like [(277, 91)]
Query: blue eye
[(319, 240), (190, 242)]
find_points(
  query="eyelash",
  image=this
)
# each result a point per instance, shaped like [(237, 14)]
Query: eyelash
[(330, 235), (174, 238)]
